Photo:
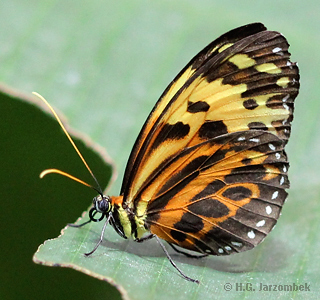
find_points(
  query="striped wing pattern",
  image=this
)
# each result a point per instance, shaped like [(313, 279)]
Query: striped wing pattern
[(208, 171), (224, 195)]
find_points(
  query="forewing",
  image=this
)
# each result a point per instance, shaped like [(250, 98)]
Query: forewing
[(223, 196), (242, 81), (174, 87)]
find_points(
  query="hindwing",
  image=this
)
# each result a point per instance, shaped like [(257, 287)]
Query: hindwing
[(223, 196)]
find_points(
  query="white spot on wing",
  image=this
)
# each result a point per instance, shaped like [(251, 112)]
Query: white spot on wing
[(261, 223), (286, 106), (227, 248), (241, 138), (237, 244), (272, 147), (276, 49), (220, 250), (282, 180), (289, 64), (286, 98), (268, 209), (251, 234), (275, 195), (254, 140), (278, 155)]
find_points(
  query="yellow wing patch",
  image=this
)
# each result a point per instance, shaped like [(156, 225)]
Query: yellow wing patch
[(208, 171), (247, 85)]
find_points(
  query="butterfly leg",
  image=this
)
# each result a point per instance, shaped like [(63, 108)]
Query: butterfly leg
[(173, 263), (101, 236), (185, 253), (145, 238)]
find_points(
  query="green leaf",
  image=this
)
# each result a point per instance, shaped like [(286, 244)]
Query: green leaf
[(34, 209), (142, 270), (104, 64)]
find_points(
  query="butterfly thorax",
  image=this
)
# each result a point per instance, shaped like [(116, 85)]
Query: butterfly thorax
[(126, 222)]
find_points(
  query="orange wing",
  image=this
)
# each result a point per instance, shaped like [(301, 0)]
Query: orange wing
[(242, 81), (222, 196), (167, 99)]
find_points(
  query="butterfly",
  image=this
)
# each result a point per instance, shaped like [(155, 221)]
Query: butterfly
[(208, 171)]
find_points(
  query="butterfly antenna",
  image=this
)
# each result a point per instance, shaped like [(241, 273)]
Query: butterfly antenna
[(48, 171)]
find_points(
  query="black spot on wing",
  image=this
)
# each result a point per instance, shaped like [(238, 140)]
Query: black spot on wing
[(246, 161), (177, 235), (200, 106), (211, 208), (175, 131), (188, 223), (237, 193), (210, 189), (211, 129), (257, 125), (250, 104), (276, 101)]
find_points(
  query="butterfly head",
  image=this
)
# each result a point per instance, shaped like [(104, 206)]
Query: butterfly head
[(115, 215), (101, 204)]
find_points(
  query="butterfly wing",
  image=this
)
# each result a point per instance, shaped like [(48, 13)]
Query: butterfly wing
[(223, 196), (166, 100), (234, 84), (217, 134)]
